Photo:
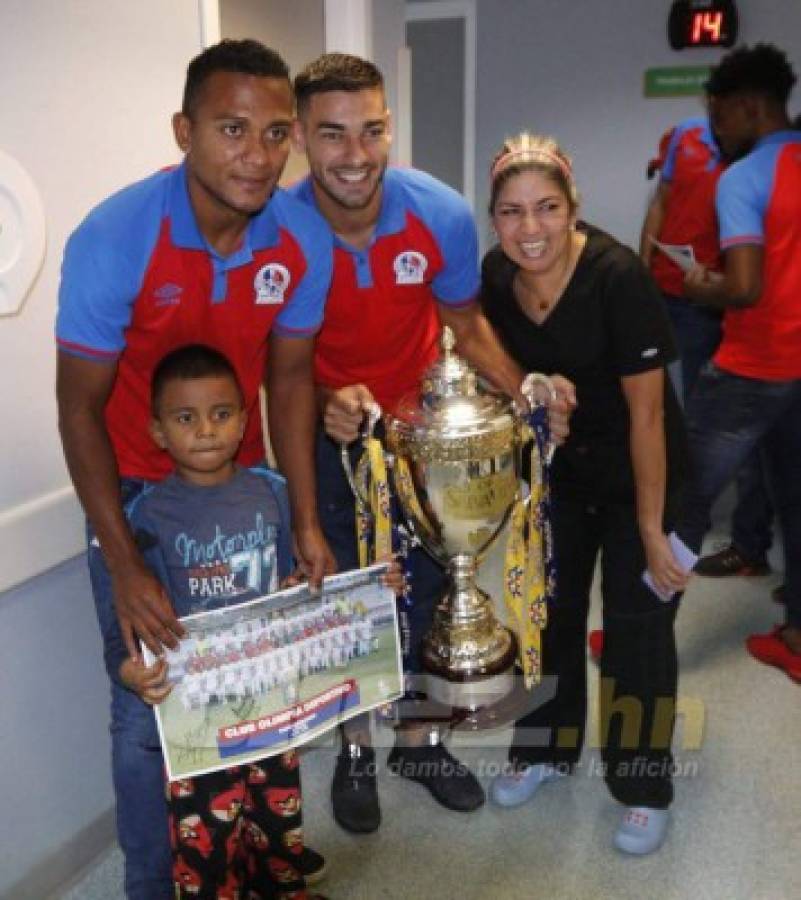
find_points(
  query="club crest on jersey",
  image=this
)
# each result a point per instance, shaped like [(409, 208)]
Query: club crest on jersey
[(410, 267), (271, 283)]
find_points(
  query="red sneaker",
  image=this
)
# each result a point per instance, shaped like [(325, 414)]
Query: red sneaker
[(595, 643), (771, 650)]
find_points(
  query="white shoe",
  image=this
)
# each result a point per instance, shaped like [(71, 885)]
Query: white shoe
[(517, 788), (642, 830)]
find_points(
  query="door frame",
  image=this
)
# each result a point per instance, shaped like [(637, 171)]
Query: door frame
[(466, 10)]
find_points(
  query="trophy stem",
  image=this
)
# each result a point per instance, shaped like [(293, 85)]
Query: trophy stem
[(467, 655)]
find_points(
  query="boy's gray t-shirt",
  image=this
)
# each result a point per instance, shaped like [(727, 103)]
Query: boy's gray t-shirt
[(210, 546)]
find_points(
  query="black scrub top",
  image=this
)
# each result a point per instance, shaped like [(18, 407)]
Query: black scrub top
[(610, 322)]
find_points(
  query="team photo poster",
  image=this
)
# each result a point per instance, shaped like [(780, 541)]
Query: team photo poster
[(256, 680)]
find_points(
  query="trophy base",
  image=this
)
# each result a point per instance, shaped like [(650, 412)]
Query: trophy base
[(474, 686), (487, 716), (469, 695)]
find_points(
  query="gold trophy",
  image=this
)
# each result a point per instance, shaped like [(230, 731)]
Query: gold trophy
[(453, 460)]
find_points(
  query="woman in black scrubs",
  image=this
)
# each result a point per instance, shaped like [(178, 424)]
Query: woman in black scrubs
[(566, 297)]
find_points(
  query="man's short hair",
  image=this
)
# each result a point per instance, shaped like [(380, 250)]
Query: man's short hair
[(247, 57), (336, 72), (186, 364), (761, 69)]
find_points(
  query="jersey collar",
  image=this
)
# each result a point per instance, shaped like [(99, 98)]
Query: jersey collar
[(262, 232), (778, 137), (391, 216)]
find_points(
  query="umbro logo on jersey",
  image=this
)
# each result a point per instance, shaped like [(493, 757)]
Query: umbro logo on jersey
[(410, 267), (649, 353), (168, 294), (271, 283)]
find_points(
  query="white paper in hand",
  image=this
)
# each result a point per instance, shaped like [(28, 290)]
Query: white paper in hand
[(684, 557), (682, 255)]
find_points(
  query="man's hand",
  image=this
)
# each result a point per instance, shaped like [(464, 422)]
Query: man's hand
[(149, 682), (343, 411), (314, 556), (698, 280), (144, 609)]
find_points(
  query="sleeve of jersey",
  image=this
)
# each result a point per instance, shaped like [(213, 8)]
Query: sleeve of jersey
[(303, 315), (96, 295), (741, 200), (457, 283), (639, 333), (670, 156)]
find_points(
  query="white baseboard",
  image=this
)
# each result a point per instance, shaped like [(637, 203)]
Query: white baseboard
[(39, 534), (56, 874)]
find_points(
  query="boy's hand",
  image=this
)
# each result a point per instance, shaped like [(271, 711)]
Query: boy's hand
[(149, 682), (393, 578), (293, 580)]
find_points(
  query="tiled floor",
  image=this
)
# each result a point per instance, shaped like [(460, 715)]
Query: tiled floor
[(735, 834)]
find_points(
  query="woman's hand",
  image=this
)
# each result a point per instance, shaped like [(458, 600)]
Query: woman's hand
[(561, 409), (149, 682), (666, 572)]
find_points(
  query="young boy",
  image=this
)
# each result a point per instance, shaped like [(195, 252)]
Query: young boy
[(230, 838)]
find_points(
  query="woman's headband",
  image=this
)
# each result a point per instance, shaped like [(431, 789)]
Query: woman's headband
[(530, 154)]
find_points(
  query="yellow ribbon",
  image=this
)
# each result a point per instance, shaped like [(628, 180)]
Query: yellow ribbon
[(374, 523), (525, 582)]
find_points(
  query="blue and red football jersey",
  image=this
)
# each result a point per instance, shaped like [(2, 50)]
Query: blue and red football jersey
[(381, 326), (692, 168), (759, 202), (139, 280)]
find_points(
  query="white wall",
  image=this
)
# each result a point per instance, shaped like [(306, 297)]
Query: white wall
[(275, 23), (88, 90), (575, 70), (389, 36)]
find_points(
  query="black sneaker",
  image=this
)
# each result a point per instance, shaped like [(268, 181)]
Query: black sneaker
[(312, 864), (730, 561), (450, 782), (354, 794)]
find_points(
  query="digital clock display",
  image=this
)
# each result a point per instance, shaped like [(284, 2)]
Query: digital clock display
[(702, 23)]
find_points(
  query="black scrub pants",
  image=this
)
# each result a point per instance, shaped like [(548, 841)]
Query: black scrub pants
[(638, 664)]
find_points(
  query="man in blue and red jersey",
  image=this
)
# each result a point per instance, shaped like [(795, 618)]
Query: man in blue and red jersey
[(682, 212), (206, 252), (405, 262), (751, 391)]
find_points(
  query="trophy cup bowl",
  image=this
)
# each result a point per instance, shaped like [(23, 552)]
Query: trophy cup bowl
[(454, 464)]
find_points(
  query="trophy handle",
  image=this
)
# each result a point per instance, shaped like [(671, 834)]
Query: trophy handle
[(373, 417), (533, 387)]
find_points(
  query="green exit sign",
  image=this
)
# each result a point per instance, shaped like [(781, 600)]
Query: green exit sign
[(677, 81)]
